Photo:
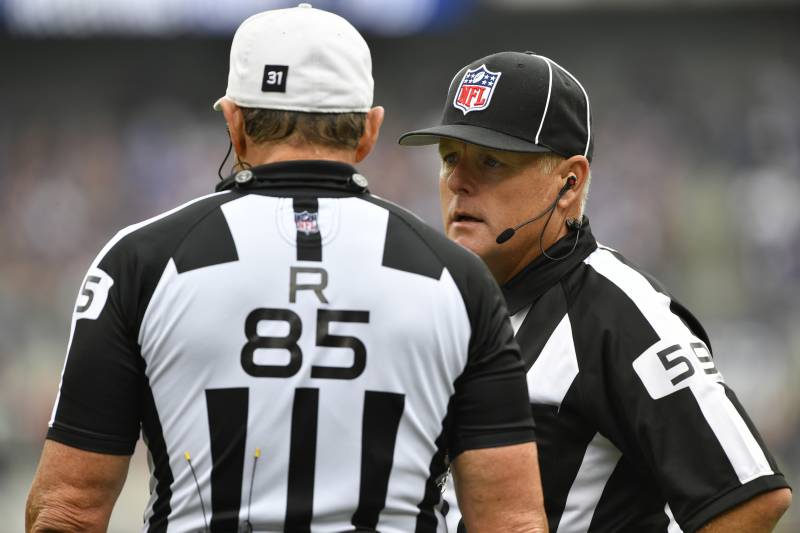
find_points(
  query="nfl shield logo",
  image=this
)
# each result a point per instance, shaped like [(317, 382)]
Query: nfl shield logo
[(306, 222), (475, 90)]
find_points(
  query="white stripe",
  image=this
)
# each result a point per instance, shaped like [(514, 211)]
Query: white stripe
[(604, 247), (547, 102), (588, 109), (110, 244), (555, 369), (740, 446), (598, 464), (519, 317), (673, 526)]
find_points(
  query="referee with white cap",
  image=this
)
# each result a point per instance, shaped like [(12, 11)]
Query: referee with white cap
[(637, 429), (299, 354)]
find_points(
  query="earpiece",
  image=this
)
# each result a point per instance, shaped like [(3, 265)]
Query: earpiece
[(571, 181)]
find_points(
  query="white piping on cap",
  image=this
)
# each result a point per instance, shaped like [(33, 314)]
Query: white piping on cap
[(588, 107), (547, 103)]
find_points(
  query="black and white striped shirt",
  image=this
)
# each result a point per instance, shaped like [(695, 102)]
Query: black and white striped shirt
[(309, 351), (636, 428)]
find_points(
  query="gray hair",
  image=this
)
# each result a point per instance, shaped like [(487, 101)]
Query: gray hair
[(549, 161)]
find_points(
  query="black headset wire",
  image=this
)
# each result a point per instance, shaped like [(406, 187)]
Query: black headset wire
[(227, 154), (578, 225)]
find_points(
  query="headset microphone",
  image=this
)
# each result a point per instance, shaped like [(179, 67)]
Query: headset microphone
[(509, 232)]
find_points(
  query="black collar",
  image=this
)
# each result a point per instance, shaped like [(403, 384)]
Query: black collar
[(297, 174), (542, 273)]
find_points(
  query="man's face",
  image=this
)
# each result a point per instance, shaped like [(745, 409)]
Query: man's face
[(483, 192)]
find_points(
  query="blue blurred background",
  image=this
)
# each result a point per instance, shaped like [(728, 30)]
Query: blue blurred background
[(107, 120)]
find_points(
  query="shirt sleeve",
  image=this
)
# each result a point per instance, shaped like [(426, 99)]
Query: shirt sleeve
[(490, 405), (98, 403), (671, 409)]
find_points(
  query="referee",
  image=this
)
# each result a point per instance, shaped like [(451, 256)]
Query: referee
[(637, 429), (299, 354)]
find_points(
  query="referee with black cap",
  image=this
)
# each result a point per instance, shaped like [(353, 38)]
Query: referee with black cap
[(636, 427), (299, 354)]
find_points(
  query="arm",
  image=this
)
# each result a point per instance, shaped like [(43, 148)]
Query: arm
[(686, 426), (74, 490), (499, 490), (757, 515), (96, 418)]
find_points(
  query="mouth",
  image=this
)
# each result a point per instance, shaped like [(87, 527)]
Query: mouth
[(461, 217)]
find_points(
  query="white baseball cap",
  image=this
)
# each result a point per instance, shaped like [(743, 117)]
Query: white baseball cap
[(300, 59)]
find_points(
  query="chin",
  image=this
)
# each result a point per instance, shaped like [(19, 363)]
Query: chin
[(471, 243)]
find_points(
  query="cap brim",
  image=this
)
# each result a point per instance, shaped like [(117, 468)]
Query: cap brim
[(470, 134), (218, 104)]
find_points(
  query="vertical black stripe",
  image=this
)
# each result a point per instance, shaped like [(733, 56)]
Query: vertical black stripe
[(381, 421), (227, 427), (154, 438), (309, 241), (541, 321), (302, 459), (614, 512), (427, 521), (562, 436)]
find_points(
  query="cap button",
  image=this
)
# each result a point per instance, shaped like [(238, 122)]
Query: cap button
[(360, 180), (243, 176), (305, 5)]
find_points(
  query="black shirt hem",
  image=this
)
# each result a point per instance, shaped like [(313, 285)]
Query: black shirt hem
[(90, 443), (492, 441), (734, 497)]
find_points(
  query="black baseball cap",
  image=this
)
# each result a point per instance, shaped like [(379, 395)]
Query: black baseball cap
[(516, 101)]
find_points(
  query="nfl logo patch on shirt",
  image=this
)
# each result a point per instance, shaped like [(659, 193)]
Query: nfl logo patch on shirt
[(476, 89), (306, 222)]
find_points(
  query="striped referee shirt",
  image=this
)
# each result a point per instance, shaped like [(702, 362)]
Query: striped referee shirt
[(636, 428), (299, 355)]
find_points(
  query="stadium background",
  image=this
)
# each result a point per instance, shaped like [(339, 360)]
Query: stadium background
[(106, 120)]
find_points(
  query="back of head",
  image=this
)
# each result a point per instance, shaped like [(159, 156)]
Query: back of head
[(300, 74)]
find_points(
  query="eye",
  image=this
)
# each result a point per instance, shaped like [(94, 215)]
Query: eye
[(491, 162), (450, 158)]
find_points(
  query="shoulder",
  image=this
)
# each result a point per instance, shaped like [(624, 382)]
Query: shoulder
[(157, 238), (610, 297), (130, 265), (411, 244), (649, 296)]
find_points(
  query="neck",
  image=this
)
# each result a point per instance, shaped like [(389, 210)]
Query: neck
[(276, 152)]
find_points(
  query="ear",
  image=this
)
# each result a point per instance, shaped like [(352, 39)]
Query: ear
[(235, 121), (372, 128), (577, 166)]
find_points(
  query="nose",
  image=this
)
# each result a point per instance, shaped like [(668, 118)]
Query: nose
[(460, 180)]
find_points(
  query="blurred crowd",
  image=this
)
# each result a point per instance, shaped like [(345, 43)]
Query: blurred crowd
[(695, 178)]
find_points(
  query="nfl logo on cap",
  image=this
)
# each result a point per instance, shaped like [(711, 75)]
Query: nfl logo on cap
[(475, 90)]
